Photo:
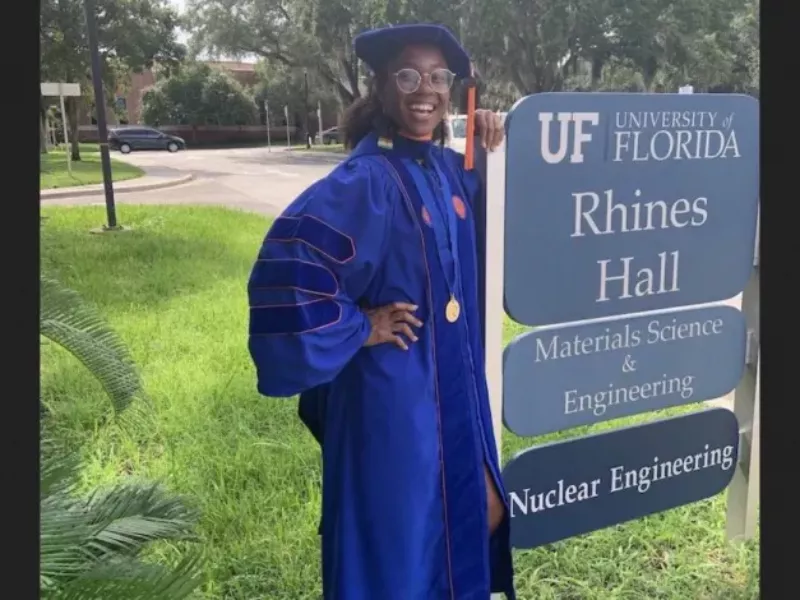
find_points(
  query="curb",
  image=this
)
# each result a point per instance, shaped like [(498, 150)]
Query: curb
[(312, 152), (333, 157), (141, 187)]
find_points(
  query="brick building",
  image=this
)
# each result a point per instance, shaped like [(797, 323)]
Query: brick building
[(130, 101), (128, 105)]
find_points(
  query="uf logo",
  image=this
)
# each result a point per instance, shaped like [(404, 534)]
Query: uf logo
[(579, 139)]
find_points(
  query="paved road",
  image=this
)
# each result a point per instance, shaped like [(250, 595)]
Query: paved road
[(248, 178)]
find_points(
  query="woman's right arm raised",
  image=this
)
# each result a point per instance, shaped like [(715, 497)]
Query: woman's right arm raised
[(314, 264)]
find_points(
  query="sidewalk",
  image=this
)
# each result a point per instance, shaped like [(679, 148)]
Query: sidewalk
[(154, 178)]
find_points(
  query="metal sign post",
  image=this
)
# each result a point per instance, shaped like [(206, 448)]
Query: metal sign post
[(490, 225), (319, 121), (490, 221), (66, 134), (288, 134), (305, 111), (743, 495), (266, 115), (63, 90)]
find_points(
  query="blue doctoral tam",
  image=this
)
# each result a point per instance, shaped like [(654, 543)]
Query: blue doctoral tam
[(377, 47)]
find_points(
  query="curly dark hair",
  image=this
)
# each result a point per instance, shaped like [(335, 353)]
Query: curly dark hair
[(366, 114)]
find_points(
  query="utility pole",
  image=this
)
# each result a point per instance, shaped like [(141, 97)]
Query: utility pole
[(99, 101), (305, 111)]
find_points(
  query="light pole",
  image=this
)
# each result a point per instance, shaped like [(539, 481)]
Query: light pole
[(102, 130)]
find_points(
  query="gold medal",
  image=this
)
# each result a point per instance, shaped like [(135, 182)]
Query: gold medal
[(453, 310)]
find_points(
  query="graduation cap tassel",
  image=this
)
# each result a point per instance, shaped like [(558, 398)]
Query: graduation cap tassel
[(469, 155)]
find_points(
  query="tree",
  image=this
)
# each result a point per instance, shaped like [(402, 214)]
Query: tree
[(747, 47), (306, 34), (199, 95), (528, 44), (519, 46), (133, 35), (281, 86), (674, 42), (42, 125), (649, 45), (311, 34)]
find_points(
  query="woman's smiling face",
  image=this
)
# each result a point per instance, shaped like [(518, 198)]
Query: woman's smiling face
[(419, 112)]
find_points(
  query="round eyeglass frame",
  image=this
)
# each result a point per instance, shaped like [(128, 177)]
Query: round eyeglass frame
[(422, 77)]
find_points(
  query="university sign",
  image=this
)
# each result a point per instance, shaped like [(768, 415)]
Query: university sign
[(624, 203), (627, 216), (565, 377), (568, 488)]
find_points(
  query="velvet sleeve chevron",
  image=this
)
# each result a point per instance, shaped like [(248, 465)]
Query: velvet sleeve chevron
[(314, 264)]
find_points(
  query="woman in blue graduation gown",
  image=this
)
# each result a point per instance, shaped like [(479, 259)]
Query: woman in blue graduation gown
[(364, 300)]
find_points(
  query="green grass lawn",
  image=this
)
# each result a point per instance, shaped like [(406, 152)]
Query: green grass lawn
[(83, 146), (175, 289), (53, 171)]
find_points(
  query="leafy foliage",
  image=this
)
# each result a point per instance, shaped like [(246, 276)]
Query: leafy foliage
[(594, 44), (520, 47), (281, 86), (132, 35), (91, 548), (77, 326), (313, 34), (199, 95)]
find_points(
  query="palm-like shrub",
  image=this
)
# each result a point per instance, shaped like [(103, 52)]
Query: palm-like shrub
[(91, 546), (66, 319)]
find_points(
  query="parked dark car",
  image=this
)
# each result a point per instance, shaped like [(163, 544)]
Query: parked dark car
[(126, 139), (333, 135)]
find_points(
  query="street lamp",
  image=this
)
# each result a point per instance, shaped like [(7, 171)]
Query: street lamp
[(102, 131)]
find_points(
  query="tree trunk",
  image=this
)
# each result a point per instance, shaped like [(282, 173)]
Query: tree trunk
[(345, 95), (517, 81), (649, 72), (597, 71), (72, 123), (111, 111), (75, 147), (42, 126), (42, 135), (351, 68)]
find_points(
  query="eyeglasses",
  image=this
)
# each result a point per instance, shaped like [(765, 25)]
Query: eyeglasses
[(409, 80)]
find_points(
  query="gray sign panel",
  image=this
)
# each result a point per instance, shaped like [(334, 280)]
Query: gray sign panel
[(564, 377), (573, 487), (625, 203)]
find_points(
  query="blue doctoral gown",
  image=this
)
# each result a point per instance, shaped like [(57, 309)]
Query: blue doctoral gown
[(404, 435)]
